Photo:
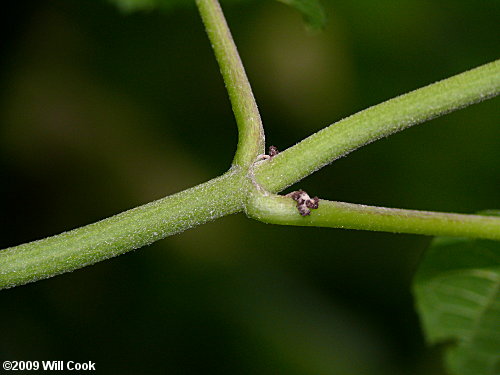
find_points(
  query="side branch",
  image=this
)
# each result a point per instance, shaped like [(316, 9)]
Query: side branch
[(250, 130), (376, 122), (277, 209)]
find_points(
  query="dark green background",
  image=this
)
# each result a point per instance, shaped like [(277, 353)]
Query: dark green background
[(102, 111)]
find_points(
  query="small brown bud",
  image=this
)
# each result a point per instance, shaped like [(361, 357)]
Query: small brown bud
[(304, 202), (313, 203), (273, 151), (303, 210)]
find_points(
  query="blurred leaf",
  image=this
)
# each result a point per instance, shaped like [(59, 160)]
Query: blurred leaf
[(457, 292), (133, 5), (312, 11), (137, 5)]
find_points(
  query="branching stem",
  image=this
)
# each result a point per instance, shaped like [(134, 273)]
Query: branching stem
[(246, 185)]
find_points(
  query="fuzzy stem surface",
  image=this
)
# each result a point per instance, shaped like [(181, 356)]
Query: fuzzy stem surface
[(126, 231), (276, 209), (232, 192), (376, 122), (250, 130)]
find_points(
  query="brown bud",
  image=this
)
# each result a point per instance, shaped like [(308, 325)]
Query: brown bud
[(304, 202), (273, 151)]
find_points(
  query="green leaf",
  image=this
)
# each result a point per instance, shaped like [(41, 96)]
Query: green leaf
[(312, 11), (457, 291), (129, 6), (137, 5)]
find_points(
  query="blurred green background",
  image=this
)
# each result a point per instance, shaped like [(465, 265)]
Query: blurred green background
[(102, 111)]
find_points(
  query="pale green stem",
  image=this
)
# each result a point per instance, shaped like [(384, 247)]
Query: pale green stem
[(376, 122), (276, 209), (230, 192), (250, 130), (121, 233)]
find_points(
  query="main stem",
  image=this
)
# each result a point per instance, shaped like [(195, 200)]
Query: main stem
[(116, 235)]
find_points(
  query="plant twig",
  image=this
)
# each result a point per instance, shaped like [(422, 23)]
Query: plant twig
[(277, 209), (121, 233), (376, 122), (250, 131), (232, 192)]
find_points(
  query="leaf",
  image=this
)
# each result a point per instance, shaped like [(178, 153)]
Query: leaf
[(129, 6), (312, 11), (457, 291), (137, 5)]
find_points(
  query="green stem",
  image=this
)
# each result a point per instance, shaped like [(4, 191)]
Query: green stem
[(276, 209), (231, 192), (250, 130), (376, 122), (121, 233)]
